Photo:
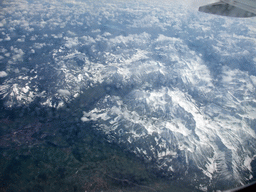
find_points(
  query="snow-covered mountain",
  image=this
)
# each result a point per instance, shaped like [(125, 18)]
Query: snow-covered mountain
[(176, 86)]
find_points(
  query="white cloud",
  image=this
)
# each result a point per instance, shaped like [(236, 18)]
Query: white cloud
[(88, 40), (18, 54), (137, 39), (21, 40), (57, 36), (71, 33), (253, 78), (3, 50), (39, 45), (8, 38), (96, 31), (2, 23), (7, 54), (165, 38), (71, 42), (64, 92), (105, 34), (33, 38), (3, 74)]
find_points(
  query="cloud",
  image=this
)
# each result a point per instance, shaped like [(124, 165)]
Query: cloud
[(39, 45), (17, 54), (64, 92), (8, 38), (71, 42), (96, 31), (3, 74), (21, 40)]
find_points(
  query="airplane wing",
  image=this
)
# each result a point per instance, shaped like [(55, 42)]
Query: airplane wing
[(232, 8)]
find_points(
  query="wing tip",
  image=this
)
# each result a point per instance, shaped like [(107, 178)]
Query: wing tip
[(225, 9)]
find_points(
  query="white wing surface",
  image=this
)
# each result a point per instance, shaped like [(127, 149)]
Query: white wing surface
[(232, 8)]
